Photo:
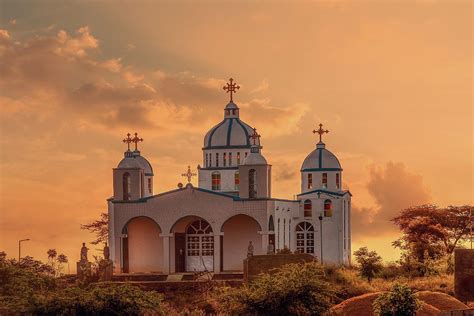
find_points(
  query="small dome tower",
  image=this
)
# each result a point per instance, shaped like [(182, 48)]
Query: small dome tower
[(255, 172), (133, 177), (321, 169)]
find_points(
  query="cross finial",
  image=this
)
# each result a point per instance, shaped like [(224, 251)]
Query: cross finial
[(255, 136), (127, 141), (189, 174), (231, 87), (320, 131), (136, 140)]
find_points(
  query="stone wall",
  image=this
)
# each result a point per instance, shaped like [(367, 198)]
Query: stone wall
[(464, 274), (255, 265)]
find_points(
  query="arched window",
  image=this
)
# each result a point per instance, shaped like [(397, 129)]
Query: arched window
[(278, 240), (216, 181), (271, 225), (224, 157), (325, 180), (308, 208), (305, 238), (217, 159), (238, 158), (127, 186), (284, 232), (230, 159), (310, 180), (252, 183), (199, 239), (327, 208), (338, 181), (237, 181)]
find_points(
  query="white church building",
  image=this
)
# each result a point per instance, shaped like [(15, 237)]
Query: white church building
[(209, 227)]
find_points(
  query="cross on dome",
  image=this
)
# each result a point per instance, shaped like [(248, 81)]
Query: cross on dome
[(231, 87), (127, 141), (320, 131), (254, 136), (136, 140), (189, 174)]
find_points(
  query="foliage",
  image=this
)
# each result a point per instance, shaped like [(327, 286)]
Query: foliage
[(294, 289), (21, 285), (30, 288), (56, 261), (428, 228), (369, 261), (100, 228), (284, 251), (400, 301), (100, 299)]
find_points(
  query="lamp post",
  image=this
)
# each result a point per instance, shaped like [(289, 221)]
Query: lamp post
[(19, 249), (321, 231)]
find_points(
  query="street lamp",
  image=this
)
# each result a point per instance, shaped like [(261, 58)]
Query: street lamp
[(19, 249), (321, 230)]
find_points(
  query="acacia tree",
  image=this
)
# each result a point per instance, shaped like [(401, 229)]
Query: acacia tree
[(430, 228), (100, 228), (369, 261)]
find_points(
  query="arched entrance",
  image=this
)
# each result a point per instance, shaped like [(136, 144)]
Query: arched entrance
[(143, 246), (193, 245), (238, 231)]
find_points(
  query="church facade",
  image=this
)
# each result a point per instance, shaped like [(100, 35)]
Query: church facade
[(210, 227)]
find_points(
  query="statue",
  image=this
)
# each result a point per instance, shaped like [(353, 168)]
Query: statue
[(106, 252), (270, 248), (250, 250), (84, 252), (83, 266)]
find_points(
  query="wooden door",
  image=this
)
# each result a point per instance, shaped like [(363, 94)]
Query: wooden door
[(180, 252)]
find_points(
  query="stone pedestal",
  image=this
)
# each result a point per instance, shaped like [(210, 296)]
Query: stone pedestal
[(83, 269), (107, 270)]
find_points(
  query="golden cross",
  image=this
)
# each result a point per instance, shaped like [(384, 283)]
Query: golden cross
[(136, 140), (189, 174), (320, 131), (127, 141), (231, 87), (255, 136)]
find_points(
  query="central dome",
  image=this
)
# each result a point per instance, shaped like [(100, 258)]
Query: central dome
[(231, 132)]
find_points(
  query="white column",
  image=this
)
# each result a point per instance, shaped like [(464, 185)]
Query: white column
[(217, 252), (264, 242), (166, 253)]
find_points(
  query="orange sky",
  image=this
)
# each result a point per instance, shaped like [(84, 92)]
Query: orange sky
[(391, 81)]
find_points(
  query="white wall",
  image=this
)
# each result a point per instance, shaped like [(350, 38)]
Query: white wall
[(145, 246), (238, 231)]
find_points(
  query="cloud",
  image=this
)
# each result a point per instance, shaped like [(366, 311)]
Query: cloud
[(393, 188), (263, 86)]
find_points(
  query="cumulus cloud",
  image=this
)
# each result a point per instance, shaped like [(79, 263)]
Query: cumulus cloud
[(393, 188)]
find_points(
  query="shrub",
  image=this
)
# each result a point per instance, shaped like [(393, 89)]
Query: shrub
[(100, 299), (369, 261), (400, 301), (294, 289)]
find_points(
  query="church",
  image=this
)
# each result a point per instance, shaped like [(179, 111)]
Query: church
[(210, 227)]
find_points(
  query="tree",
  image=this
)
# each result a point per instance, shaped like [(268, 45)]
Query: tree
[(369, 261), (294, 289), (430, 228), (100, 228), (400, 301)]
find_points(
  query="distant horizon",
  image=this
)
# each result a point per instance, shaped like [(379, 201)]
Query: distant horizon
[(392, 82)]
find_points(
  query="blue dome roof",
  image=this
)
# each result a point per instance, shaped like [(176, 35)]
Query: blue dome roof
[(231, 132)]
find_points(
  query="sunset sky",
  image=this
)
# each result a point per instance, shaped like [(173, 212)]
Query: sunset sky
[(392, 81)]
